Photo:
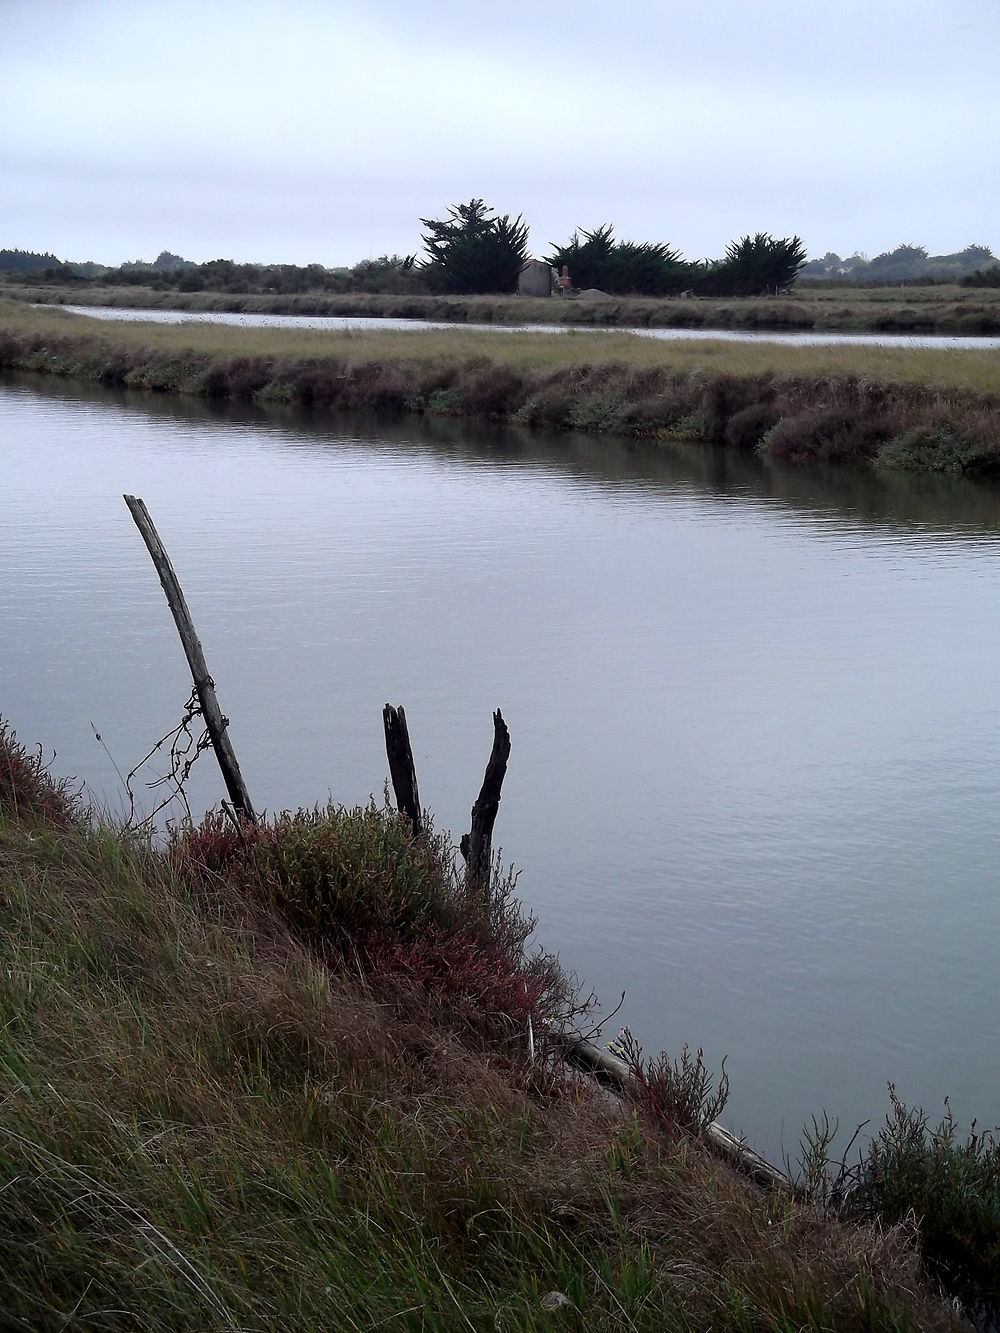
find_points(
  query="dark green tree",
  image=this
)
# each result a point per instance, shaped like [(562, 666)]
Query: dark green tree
[(588, 260), (754, 266), (620, 267), (473, 251)]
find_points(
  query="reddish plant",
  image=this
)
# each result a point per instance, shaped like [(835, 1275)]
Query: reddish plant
[(27, 789)]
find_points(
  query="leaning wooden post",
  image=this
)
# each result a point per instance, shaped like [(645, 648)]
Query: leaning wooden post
[(401, 766), (476, 845), (203, 683)]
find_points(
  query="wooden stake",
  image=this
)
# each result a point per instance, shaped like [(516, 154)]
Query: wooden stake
[(476, 845), (203, 683), (401, 767)]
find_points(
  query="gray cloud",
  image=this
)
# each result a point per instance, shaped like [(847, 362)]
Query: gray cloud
[(312, 131)]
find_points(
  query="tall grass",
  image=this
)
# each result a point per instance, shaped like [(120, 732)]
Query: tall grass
[(211, 1120)]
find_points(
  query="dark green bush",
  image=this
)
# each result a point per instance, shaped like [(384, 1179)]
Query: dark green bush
[(942, 447), (757, 265), (951, 1186)]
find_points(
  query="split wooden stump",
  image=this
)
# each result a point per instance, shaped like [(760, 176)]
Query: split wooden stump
[(476, 846)]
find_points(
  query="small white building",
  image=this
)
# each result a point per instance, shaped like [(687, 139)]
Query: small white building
[(536, 279)]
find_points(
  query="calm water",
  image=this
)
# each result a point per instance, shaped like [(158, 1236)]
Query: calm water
[(804, 339), (755, 777)]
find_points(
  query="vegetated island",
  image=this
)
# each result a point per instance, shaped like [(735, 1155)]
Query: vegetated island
[(279, 1076), (927, 410)]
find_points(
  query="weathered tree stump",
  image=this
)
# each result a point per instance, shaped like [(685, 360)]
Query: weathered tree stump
[(401, 767), (477, 845)]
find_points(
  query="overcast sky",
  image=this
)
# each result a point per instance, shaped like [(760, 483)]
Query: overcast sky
[(299, 131)]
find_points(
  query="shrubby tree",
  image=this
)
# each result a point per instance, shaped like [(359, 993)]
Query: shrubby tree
[(620, 267), (473, 251), (754, 266), (396, 274)]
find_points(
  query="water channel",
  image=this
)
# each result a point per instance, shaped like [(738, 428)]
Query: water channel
[(755, 777), (802, 338)]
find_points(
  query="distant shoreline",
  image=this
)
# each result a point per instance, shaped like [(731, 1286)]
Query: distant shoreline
[(921, 410)]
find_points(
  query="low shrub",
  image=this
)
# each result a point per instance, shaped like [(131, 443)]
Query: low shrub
[(214, 383), (724, 396), (678, 1094), (978, 322), (951, 1186), (550, 406), (745, 429), (443, 402), (925, 449), (494, 391), (827, 435), (942, 447), (247, 375), (354, 885)]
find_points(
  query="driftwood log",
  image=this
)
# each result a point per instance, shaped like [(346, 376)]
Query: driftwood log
[(401, 766), (610, 1070), (203, 683), (477, 845)]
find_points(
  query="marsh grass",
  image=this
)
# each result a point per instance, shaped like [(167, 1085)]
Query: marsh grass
[(820, 307), (206, 1122), (926, 410), (53, 336)]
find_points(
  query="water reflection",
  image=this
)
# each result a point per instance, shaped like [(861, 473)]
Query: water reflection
[(911, 501)]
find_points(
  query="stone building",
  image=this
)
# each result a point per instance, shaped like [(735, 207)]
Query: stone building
[(536, 279)]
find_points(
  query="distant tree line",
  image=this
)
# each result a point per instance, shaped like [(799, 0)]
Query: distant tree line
[(473, 250), (972, 267)]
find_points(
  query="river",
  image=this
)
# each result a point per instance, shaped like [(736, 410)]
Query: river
[(755, 776)]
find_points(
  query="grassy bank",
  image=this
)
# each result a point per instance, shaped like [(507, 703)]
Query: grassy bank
[(921, 410), (282, 1081), (944, 309)]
